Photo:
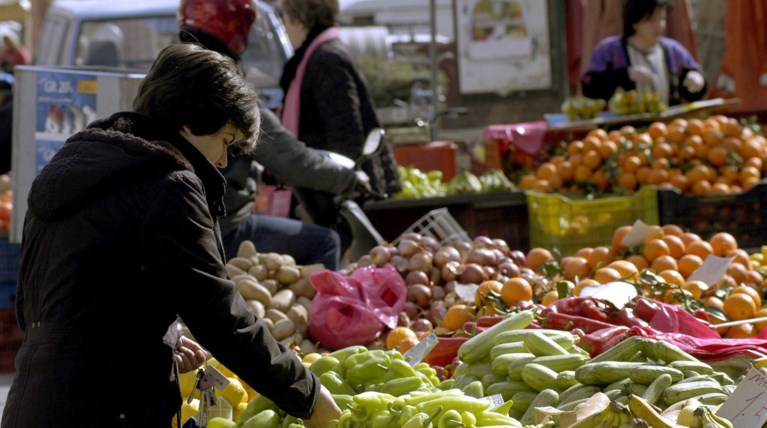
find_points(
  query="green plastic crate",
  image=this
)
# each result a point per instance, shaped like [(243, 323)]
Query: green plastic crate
[(565, 224)]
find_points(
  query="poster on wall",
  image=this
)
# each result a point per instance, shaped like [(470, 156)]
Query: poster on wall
[(66, 103), (503, 45)]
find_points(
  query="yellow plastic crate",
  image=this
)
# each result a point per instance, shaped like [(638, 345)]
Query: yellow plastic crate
[(568, 225)]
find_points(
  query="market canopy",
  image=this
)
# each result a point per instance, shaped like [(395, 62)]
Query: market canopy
[(14, 10)]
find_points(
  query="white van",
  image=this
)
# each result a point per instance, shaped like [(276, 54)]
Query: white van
[(128, 34)]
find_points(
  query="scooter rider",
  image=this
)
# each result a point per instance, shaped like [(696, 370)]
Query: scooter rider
[(223, 26)]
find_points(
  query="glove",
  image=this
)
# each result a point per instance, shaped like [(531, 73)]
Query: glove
[(694, 81), (362, 181), (640, 74)]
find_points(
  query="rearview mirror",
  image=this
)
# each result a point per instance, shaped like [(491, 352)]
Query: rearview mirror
[(373, 142)]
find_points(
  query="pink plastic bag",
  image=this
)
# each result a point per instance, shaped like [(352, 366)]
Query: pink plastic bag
[(355, 309)]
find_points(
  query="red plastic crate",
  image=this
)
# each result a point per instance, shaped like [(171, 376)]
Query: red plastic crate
[(434, 156)]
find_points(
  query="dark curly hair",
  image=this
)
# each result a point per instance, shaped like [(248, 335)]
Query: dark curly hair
[(193, 86), (637, 10)]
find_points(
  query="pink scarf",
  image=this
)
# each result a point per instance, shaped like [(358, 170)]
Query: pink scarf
[(291, 108)]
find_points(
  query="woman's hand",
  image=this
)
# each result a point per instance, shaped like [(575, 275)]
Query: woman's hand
[(325, 410), (188, 355)]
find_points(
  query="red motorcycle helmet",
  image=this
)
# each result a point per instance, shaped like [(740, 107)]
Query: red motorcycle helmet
[(228, 20)]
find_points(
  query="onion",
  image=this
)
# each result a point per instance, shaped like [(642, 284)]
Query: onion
[(411, 309), (420, 261), (501, 246), (444, 255), (501, 278), (429, 243), (422, 324), (379, 255), (437, 293), (518, 257), (472, 274), (364, 261), (450, 299), (498, 255), (408, 247), (449, 287), (482, 241), (403, 320), (437, 312), (509, 268), (481, 256), (416, 277), (420, 294), (435, 276), (411, 236), (451, 270), (399, 263), (463, 247), (489, 271)]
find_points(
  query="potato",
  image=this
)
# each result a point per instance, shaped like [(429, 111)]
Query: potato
[(269, 323), (257, 308), (308, 270), (288, 260), (306, 303), (247, 249), (234, 271), (287, 274), (298, 314), (241, 262), (258, 271), (283, 300), (271, 285), (275, 315), (283, 329), (307, 346), (304, 288), (252, 290), (273, 261)]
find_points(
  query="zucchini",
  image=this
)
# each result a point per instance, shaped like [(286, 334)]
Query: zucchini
[(478, 347)]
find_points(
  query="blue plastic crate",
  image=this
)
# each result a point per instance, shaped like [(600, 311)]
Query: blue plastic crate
[(9, 271)]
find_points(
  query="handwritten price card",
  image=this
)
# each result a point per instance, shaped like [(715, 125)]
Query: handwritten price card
[(747, 406)]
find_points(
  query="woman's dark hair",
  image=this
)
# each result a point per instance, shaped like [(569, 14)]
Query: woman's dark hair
[(637, 10), (206, 40), (312, 13), (193, 86)]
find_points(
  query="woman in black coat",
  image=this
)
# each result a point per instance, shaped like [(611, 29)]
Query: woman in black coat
[(121, 237)]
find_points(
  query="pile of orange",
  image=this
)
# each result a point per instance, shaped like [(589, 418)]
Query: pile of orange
[(715, 155)]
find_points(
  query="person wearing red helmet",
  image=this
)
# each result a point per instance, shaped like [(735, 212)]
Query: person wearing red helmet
[(223, 26)]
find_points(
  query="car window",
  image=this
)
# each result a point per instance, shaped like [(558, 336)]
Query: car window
[(125, 43), (54, 34)]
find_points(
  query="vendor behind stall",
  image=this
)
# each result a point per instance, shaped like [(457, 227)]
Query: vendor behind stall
[(643, 60)]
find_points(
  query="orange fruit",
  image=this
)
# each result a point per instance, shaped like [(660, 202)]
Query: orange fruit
[(701, 249), (653, 232), (632, 163), (626, 269), (713, 301), (689, 237), (655, 248), (760, 325), (738, 273), (537, 256), (516, 290), (755, 296), (717, 156), (545, 170), (741, 331), (723, 244), (618, 236), (397, 335), (456, 316), (662, 263), (688, 264), (600, 257), (607, 149), (675, 245), (672, 229), (606, 274), (406, 344), (584, 252), (582, 173), (550, 297), (739, 306), (575, 267), (628, 181), (484, 289), (588, 282), (592, 159), (639, 261), (754, 278), (566, 170), (657, 130), (672, 277), (696, 288)]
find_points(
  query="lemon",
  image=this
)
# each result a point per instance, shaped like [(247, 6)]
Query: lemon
[(237, 411), (761, 362), (186, 382), (219, 422), (234, 393), (220, 367), (189, 409)]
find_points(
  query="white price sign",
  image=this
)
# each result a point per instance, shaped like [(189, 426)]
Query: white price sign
[(747, 406)]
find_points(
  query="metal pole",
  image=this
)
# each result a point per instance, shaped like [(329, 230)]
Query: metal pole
[(434, 69)]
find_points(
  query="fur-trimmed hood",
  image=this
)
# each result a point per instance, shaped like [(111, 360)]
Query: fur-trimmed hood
[(112, 150)]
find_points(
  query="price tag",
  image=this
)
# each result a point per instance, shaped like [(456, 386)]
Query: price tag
[(466, 291), (618, 293), (417, 353), (747, 406), (712, 269), (216, 377), (639, 232), (495, 400)]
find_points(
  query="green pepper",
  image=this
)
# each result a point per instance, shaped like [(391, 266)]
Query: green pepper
[(493, 418), (421, 419), (468, 418), (401, 386), (368, 368), (336, 384), (474, 389), (417, 398), (457, 402), (345, 420), (374, 401), (342, 354), (405, 413), (356, 359), (343, 401), (324, 365), (255, 406), (291, 420), (400, 368), (446, 384), (502, 409), (295, 425), (265, 419), (382, 419), (395, 355), (450, 419)]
